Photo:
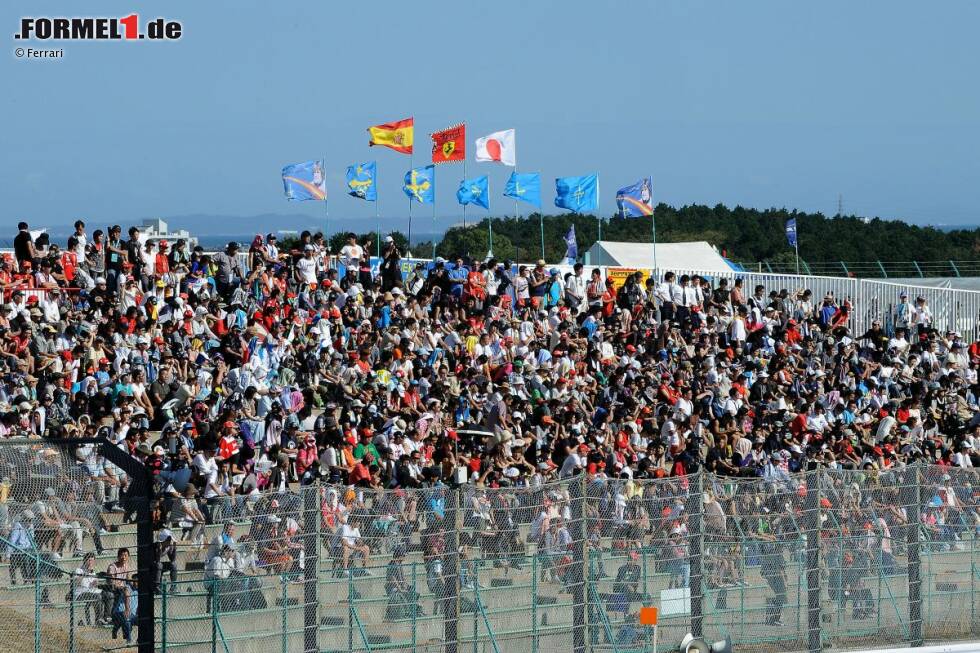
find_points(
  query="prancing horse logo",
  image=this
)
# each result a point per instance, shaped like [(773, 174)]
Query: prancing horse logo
[(448, 148)]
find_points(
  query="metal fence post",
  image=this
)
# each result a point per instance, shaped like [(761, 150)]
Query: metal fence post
[(350, 608), (37, 600), (578, 571), (912, 500), (311, 559), (812, 513), (452, 525), (163, 617), (695, 511), (215, 590), (284, 600), (71, 613)]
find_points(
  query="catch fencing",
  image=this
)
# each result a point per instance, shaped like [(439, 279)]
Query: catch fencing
[(792, 562), (828, 558)]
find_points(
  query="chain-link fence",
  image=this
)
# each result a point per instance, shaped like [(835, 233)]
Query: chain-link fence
[(64, 514), (794, 561)]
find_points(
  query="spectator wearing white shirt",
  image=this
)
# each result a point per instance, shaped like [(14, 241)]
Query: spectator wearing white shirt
[(962, 457), (306, 267), (351, 253), (575, 288)]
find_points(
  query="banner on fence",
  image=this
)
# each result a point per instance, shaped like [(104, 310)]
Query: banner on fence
[(618, 275)]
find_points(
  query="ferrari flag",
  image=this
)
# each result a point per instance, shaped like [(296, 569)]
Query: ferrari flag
[(399, 136), (449, 145)]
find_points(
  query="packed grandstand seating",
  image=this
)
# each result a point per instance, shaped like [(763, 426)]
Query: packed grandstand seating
[(526, 415)]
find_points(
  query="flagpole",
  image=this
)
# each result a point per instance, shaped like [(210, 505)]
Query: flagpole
[(517, 209), (377, 207), (326, 223), (653, 221), (489, 221), (541, 223), (411, 166), (598, 213), (464, 179), (433, 215), (796, 246)]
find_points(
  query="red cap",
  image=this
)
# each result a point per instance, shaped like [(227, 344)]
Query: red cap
[(229, 424)]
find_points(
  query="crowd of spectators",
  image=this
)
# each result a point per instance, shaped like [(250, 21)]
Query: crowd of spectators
[(240, 375)]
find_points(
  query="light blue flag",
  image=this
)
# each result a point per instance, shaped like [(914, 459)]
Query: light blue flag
[(577, 193), (791, 232), (361, 181), (420, 184), (571, 246), (305, 181), (524, 186), (636, 200), (474, 191)]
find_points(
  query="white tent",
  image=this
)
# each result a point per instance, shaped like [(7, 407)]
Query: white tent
[(697, 255)]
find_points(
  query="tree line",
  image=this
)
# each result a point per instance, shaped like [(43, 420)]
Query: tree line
[(741, 234)]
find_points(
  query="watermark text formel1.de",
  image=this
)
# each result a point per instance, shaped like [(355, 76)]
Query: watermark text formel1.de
[(126, 28)]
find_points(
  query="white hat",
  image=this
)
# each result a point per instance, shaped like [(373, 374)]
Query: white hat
[(389, 239), (164, 535)]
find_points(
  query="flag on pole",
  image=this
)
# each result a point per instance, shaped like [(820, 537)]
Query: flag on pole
[(474, 191), (499, 147), (360, 181), (449, 145), (399, 135), (791, 232), (577, 193), (420, 184), (305, 181), (525, 186), (571, 246), (636, 200)]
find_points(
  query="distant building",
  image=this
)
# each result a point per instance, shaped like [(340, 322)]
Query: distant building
[(156, 229)]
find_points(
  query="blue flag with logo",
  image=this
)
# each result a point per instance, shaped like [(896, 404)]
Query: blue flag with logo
[(571, 246), (474, 191), (361, 181), (420, 184), (636, 200), (525, 187), (791, 232), (577, 193), (305, 181)]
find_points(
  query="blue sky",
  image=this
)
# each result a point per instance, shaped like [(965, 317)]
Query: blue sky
[(759, 103)]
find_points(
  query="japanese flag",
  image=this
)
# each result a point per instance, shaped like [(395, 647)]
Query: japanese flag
[(498, 146)]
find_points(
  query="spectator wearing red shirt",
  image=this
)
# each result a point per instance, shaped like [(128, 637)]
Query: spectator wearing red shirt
[(361, 473)]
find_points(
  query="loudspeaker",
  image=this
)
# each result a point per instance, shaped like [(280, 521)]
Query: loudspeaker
[(690, 644)]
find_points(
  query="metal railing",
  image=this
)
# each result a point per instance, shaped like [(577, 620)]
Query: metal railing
[(871, 269)]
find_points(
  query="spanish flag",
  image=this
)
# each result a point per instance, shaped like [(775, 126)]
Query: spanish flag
[(396, 135)]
